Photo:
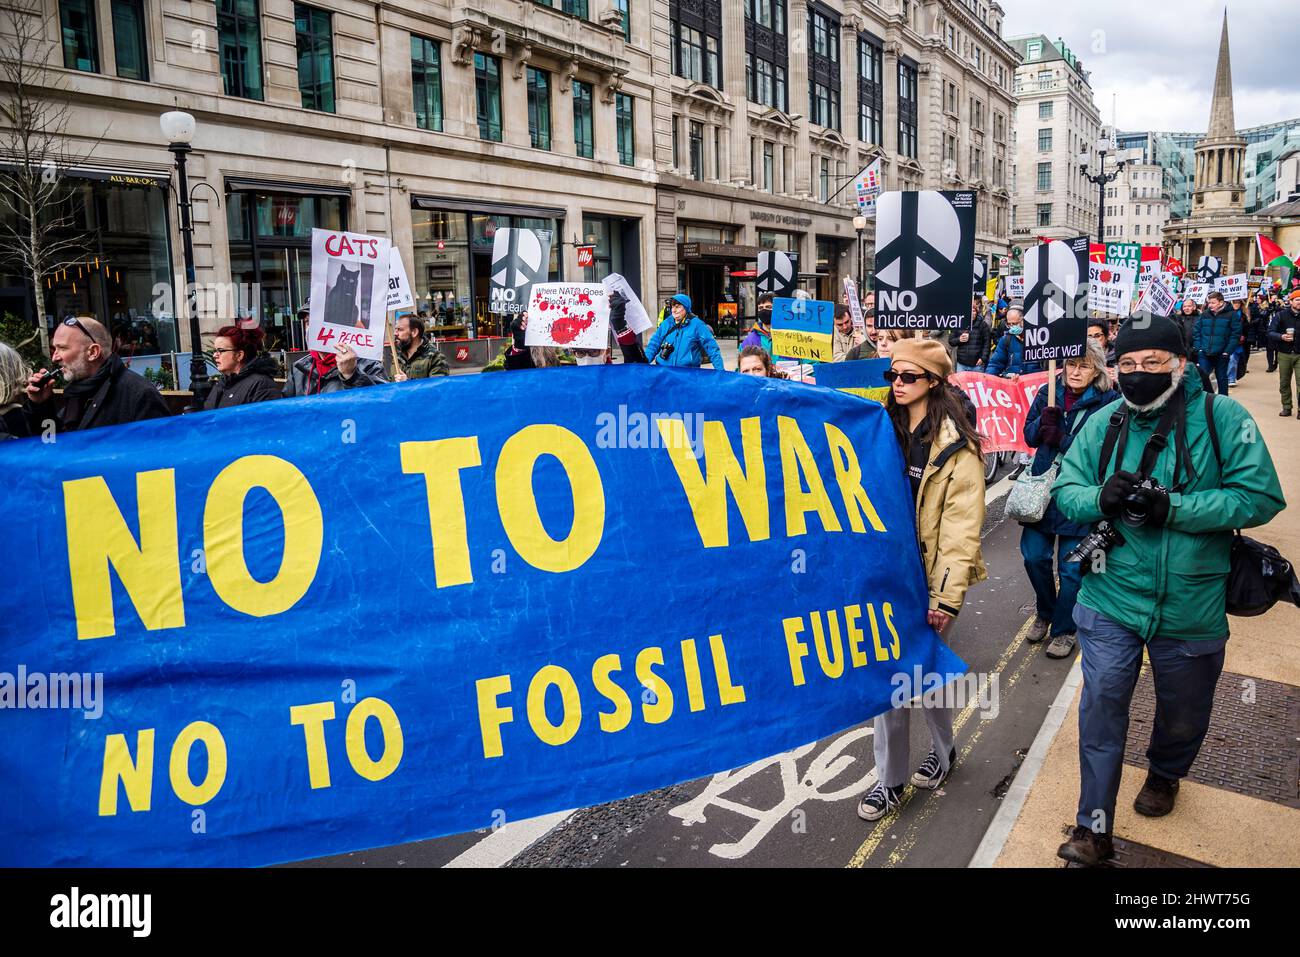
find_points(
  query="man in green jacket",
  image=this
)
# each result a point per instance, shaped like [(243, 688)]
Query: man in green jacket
[(416, 357), (1163, 587)]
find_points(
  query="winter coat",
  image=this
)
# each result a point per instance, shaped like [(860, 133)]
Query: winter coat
[(14, 424), (1187, 324), (758, 338), (1284, 319), (1092, 401), (254, 383), (303, 380), (427, 362), (1172, 580), (1009, 358), (843, 342), (949, 515), (692, 343), (117, 396), (1217, 333), (976, 348)]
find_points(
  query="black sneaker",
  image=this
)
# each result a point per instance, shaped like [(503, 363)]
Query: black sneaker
[(1157, 797), (879, 801), (1285, 413), (931, 774)]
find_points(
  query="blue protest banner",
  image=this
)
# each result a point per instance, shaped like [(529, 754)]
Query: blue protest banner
[(352, 620), (802, 329), (861, 377)]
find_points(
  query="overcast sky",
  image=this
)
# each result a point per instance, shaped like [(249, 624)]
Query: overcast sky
[(1155, 62)]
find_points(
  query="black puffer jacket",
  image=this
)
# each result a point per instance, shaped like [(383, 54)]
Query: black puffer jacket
[(254, 383), (976, 348)]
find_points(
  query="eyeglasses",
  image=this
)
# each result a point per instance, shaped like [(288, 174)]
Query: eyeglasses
[(217, 352), (1148, 365), (73, 321), (909, 378)]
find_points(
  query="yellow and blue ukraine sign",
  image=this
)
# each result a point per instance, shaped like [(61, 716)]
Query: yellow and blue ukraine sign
[(353, 620), (802, 329)]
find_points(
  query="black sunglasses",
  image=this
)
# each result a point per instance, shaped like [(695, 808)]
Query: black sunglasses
[(909, 378), (72, 321)]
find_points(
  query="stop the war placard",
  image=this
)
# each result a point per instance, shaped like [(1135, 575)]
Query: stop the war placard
[(568, 315), (349, 292), (1111, 290), (925, 259), (1056, 299)]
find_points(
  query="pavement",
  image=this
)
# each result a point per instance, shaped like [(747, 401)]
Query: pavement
[(1239, 807)]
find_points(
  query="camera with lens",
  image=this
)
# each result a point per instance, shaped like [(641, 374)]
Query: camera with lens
[(666, 350), (1136, 510), (1100, 541)]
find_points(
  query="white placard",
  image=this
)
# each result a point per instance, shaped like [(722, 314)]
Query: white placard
[(1112, 288), (1016, 287), (399, 287), (1198, 292), (638, 320), (349, 292), (568, 315), (1158, 299), (855, 306), (1232, 287)]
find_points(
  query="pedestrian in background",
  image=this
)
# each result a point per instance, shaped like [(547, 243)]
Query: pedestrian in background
[(760, 334), (843, 336), (755, 361), (1286, 349), (14, 373), (683, 339), (415, 355), (244, 374), (322, 373), (973, 341), (1008, 360), (1217, 332), (941, 451)]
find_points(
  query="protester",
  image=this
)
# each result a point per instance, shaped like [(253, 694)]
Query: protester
[(844, 337), (100, 390), (14, 373), (320, 373), (1008, 359), (973, 342), (245, 375), (1161, 586), (1217, 333), (1085, 390), (941, 451), (754, 360), (415, 355), (1261, 314), (866, 349), (684, 340), (1286, 350), (1240, 359), (760, 334), (886, 339), (1189, 315)]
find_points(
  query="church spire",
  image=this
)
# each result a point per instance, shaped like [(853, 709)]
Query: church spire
[(1222, 122)]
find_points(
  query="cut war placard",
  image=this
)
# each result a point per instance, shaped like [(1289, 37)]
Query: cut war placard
[(802, 329), (349, 292), (569, 315)]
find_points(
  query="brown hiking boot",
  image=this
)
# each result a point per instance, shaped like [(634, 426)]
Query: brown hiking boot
[(1038, 631), (1156, 799), (1086, 848)]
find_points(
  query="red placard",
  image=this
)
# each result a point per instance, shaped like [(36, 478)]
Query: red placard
[(1001, 407)]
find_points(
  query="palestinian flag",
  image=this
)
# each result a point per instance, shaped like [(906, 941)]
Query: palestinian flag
[(1271, 254)]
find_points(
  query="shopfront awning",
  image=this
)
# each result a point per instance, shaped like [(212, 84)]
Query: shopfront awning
[(719, 251), (124, 174), (247, 184), (481, 206)]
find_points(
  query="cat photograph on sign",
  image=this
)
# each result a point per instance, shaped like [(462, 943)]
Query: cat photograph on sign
[(568, 315), (349, 292)]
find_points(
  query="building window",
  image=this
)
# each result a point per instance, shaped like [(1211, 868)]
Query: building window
[(697, 150), (624, 9), (907, 112), (769, 168), (1045, 110), (584, 138), (871, 89), (976, 162), (1044, 214), (574, 8), (426, 83), (487, 95), (129, 48), (696, 41), (976, 114), (1045, 140), (677, 123), (1034, 50), (1044, 175), (80, 35), (315, 58), (539, 109), (239, 38), (625, 125), (766, 57), (824, 67), (825, 180)]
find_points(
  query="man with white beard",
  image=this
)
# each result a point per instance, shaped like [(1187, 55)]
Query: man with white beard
[(1165, 480), (100, 390)]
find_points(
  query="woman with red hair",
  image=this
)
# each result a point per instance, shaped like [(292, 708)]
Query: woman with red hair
[(245, 375)]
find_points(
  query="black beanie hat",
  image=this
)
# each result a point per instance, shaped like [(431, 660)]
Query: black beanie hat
[(1157, 332)]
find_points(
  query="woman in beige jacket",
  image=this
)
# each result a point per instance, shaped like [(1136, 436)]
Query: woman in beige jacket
[(942, 452)]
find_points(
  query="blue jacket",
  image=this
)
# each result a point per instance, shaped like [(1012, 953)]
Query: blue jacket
[(1217, 334), (1088, 404), (692, 343), (1009, 358)]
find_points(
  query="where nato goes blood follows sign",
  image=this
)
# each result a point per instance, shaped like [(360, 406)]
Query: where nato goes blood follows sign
[(283, 686), (349, 292), (803, 329), (1056, 299), (925, 259), (569, 315)]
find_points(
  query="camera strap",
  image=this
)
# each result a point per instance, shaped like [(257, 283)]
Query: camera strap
[(1117, 433)]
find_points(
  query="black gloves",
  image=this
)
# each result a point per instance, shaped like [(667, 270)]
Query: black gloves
[(1157, 502), (1117, 488), (519, 334), (1049, 427), (618, 312)]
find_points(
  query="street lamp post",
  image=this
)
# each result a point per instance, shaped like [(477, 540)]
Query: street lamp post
[(178, 131), (859, 224), (1102, 179)]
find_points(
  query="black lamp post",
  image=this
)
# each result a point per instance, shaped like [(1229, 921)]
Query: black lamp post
[(859, 224), (1102, 179), (178, 130)]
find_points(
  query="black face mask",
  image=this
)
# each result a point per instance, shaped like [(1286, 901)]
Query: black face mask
[(1143, 388)]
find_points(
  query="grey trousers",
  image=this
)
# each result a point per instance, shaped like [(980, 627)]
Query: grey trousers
[(893, 733)]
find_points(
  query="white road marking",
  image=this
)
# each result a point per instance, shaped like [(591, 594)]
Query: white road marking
[(1000, 489), (1014, 800), (509, 841)]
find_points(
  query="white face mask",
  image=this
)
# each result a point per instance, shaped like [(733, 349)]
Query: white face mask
[(590, 360)]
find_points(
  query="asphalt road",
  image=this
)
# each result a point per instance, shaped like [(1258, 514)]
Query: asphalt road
[(799, 809)]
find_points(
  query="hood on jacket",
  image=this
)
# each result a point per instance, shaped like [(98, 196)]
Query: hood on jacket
[(685, 302), (261, 365)]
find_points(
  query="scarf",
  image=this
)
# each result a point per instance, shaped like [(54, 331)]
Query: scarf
[(324, 363), (77, 394)]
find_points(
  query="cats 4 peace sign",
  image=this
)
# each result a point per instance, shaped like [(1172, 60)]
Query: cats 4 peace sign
[(349, 292)]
